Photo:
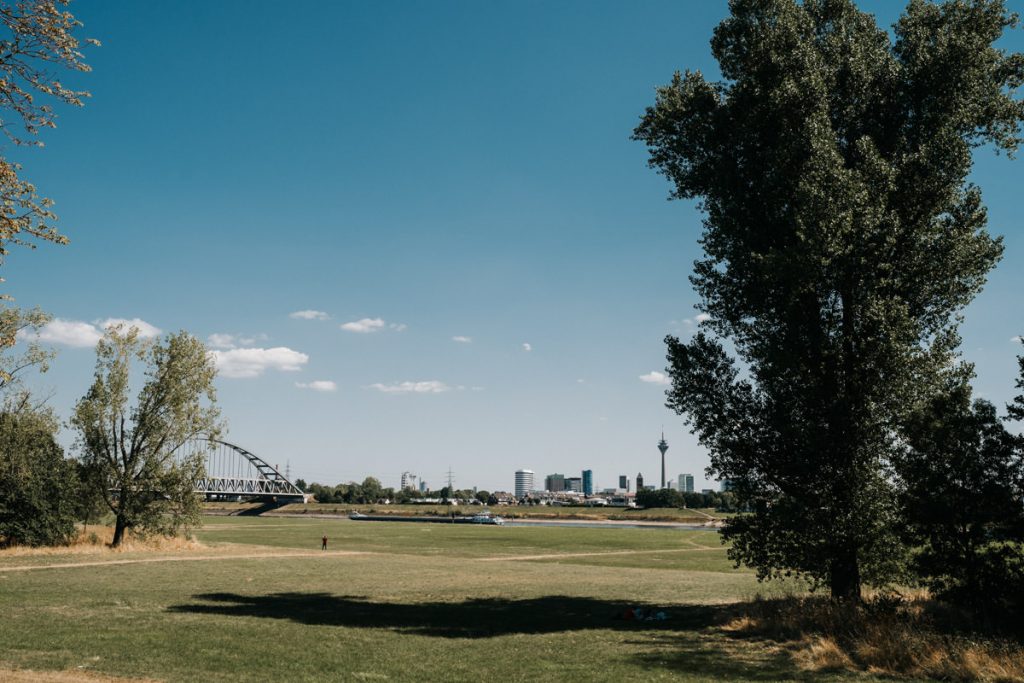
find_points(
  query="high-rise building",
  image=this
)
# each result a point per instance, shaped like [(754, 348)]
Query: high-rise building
[(686, 483), (524, 483), (639, 481), (423, 486), (588, 482), (554, 483), (574, 484), (409, 480), (623, 482), (727, 485), (662, 446)]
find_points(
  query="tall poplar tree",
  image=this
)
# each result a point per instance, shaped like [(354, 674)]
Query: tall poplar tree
[(841, 242)]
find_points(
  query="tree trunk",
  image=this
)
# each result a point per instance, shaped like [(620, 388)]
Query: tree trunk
[(844, 581), (119, 527)]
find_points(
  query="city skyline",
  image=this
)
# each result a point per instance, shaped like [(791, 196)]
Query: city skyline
[(385, 291)]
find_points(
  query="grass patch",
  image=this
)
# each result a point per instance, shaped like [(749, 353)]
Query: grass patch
[(258, 600)]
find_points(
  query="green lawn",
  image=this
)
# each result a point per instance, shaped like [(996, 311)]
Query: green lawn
[(389, 601)]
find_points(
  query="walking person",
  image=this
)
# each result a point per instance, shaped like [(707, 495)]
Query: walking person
[(323, 544)]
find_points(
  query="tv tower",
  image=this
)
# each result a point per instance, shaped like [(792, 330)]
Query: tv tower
[(663, 446)]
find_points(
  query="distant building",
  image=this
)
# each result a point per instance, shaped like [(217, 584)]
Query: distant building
[(524, 483), (409, 481), (623, 482), (554, 483), (707, 491), (423, 486), (662, 446), (727, 485), (686, 483), (639, 482), (574, 484), (588, 482), (673, 485)]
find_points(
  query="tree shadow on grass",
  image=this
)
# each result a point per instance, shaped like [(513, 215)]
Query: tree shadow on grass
[(476, 618), (689, 640)]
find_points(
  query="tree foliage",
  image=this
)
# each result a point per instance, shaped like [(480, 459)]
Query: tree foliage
[(134, 449), (963, 501), (841, 240), (37, 41), (38, 486)]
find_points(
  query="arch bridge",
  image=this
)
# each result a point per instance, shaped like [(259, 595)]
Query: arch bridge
[(233, 473)]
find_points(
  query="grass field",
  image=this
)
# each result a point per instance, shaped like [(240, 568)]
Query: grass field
[(258, 600)]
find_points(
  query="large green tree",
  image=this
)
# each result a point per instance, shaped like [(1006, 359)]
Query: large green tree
[(136, 451), (841, 241)]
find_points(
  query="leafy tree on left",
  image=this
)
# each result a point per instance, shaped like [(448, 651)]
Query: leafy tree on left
[(38, 485)]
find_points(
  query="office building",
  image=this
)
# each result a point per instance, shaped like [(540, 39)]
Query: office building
[(554, 483), (574, 484), (588, 482), (639, 482), (686, 483), (524, 483), (409, 481), (623, 482)]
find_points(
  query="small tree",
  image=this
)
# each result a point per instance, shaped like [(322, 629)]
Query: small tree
[(134, 449), (38, 486), (963, 480)]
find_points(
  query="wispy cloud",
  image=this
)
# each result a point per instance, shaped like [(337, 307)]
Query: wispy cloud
[(462, 340), (80, 334), (309, 315), (324, 385), (701, 317), (527, 347), (368, 325), (246, 363), (655, 377), (220, 340), (1017, 339), (428, 387)]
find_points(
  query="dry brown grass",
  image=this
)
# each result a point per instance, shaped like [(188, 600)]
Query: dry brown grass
[(96, 540), (890, 636)]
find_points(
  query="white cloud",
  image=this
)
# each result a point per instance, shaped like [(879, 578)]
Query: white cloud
[(243, 363), (428, 387), (655, 377), (67, 332), (527, 347), (398, 327), (318, 385), (364, 325), (144, 328), (1017, 340), (701, 317), (309, 315), (462, 340), (80, 334)]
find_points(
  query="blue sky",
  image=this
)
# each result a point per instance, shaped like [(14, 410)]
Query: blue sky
[(449, 169)]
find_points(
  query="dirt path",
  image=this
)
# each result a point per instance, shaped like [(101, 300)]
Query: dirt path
[(186, 558)]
